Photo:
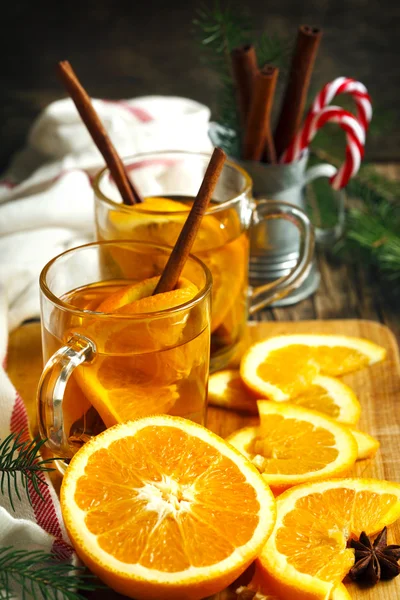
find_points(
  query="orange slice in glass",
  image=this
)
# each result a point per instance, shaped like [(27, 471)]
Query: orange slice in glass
[(139, 363)]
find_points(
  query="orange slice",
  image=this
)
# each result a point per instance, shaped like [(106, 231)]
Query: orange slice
[(248, 440), (283, 367), (227, 390), (218, 244), (263, 591), (140, 363), (367, 445), (137, 298), (306, 555), (331, 397), (326, 394), (162, 508), (294, 445)]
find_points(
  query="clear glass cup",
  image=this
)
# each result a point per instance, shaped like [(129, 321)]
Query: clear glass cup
[(222, 242), (101, 368)]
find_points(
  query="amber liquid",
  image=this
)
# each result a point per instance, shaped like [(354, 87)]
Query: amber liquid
[(140, 368), (222, 244)]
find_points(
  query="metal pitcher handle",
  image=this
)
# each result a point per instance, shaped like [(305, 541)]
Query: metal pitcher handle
[(264, 295), (329, 235)]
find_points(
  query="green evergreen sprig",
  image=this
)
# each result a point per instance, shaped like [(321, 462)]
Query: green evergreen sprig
[(41, 577), (372, 236), (21, 463)]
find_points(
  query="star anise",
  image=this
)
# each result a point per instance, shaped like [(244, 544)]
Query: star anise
[(374, 560)]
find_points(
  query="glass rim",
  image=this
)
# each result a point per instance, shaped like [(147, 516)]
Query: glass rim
[(61, 304), (96, 183)]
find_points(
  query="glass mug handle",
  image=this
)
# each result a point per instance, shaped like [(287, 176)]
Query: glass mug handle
[(264, 295), (51, 389)]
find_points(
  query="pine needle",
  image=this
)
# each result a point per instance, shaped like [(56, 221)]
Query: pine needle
[(40, 576), (21, 464)]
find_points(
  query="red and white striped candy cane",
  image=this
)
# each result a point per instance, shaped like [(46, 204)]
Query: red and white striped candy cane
[(345, 85), (355, 140)]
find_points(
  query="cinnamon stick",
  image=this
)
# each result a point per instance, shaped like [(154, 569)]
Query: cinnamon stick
[(184, 243), (258, 135), (99, 135), (295, 96), (244, 69)]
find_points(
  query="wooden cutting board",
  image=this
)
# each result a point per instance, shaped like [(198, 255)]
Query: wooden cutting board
[(378, 389)]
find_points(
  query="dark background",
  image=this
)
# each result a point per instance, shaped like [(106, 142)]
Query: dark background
[(122, 48)]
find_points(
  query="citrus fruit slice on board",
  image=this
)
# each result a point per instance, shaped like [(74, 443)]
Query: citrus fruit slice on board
[(295, 445), (162, 508), (284, 366), (332, 397), (306, 554), (367, 445), (244, 440), (227, 390), (262, 591), (326, 394)]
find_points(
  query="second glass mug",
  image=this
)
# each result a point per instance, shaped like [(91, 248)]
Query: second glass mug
[(102, 367), (169, 181)]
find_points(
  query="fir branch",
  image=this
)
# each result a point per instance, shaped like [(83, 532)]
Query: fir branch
[(373, 236), (274, 50), (40, 576), (21, 464)]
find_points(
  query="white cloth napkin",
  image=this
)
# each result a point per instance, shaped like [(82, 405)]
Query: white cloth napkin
[(46, 207)]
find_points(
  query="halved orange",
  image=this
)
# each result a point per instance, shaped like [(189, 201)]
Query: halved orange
[(294, 445), (162, 508), (282, 367), (307, 554), (325, 394)]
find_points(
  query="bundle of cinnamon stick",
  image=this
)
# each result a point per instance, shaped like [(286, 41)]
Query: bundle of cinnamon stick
[(255, 96)]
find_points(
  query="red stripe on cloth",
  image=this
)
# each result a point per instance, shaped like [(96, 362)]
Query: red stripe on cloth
[(44, 510), (8, 183), (140, 113)]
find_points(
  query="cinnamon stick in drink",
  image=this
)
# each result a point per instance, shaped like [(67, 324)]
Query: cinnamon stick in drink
[(258, 135), (295, 96), (184, 243), (99, 135), (244, 69)]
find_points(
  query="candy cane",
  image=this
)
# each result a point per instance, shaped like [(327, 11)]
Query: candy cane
[(355, 140), (345, 85)]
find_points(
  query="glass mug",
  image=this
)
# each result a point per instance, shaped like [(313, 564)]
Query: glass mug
[(102, 367), (169, 181)]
